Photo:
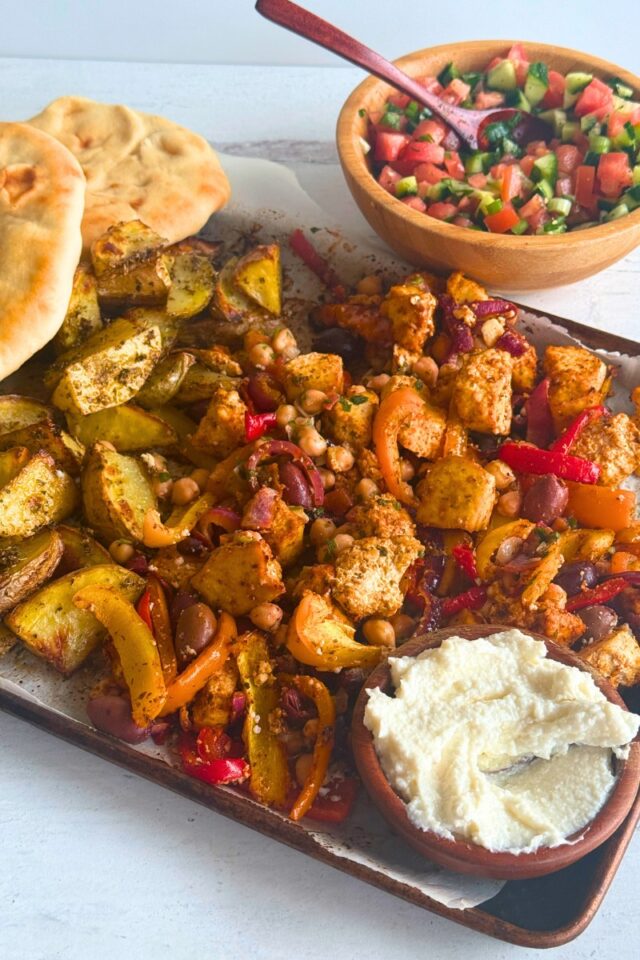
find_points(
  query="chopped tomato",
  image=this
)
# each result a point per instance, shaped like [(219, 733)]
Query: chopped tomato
[(486, 99), (535, 146), (442, 210), (555, 93), (421, 151), (415, 203), (503, 220), (454, 165), (511, 181), (431, 84), (388, 145), (569, 157), (517, 52), (462, 222), (585, 182), (456, 92), (534, 211), (429, 173), (493, 63), (564, 186), (430, 128), (388, 179), (478, 181), (614, 173), (596, 98), (526, 165), (400, 100), (616, 123)]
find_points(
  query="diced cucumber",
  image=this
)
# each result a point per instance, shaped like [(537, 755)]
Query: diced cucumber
[(485, 200), (569, 131), (591, 158), (412, 111), (574, 85), (437, 191), (621, 210), (545, 168), (520, 227), (599, 144), (511, 147), (606, 205), (636, 174), (555, 226), (626, 137), (502, 76), (589, 123), (392, 120), (632, 197), (560, 205), (406, 187), (472, 78), (537, 83), (457, 187), (516, 98), (478, 162), (545, 189), (620, 88), (557, 118), (494, 207), (449, 73)]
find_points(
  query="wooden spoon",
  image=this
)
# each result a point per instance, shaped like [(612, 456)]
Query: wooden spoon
[(468, 124)]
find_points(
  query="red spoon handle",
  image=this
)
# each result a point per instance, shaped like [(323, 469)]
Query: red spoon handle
[(311, 27)]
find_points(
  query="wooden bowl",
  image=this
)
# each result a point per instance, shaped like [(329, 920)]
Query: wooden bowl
[(460, 855), (505, 261)]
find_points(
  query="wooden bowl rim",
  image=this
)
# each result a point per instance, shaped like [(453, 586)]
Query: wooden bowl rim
[(464, 856), (354, 160)]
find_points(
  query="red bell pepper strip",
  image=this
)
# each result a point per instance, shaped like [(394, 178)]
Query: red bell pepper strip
[(212, 743), (310, 256), (143, 607), (336, 802), (257, 424), (465, 558), (525, 458), (539, 419), (471, 599), (214, 772), (601, 594), (566, 440)]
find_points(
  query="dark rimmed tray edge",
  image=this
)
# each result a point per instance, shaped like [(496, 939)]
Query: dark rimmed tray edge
[(250, 814)]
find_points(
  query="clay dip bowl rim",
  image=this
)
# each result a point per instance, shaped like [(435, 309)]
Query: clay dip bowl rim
[(350, 127), (470, 858)]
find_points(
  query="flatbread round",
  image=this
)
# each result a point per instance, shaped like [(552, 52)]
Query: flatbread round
[(41, 203), (138, 167)]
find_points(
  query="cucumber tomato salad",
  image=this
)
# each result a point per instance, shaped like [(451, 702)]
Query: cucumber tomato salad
[(589, 173)]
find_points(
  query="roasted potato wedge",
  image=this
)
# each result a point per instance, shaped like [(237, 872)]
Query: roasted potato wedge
[(11, 463), (110, 367), (116, 493), (8, 639), (192, 279), (259, 276), (52, 626), (165, 380), (229, 303), (17, 412), (67, 452), (80, 550), (124, 246), (26, 565), (127, 427), (83, 313), (39, 494), (147, 285), (183, 425), (200, 383)]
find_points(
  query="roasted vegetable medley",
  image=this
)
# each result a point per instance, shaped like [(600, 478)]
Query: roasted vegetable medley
[(238, 531)]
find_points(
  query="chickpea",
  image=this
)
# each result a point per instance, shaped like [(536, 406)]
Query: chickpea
[(285, 414), (310, 729), (340, 459), (184, 491), (311, 442), (402, 625), (328, 478), (293, 741), (200, 476), (426, 369), (312, 401), (407, 470), (379, 633), (366, 489), (266, 616), (284, 343), (369, 286), (502, 474), (322, 530), (342, 541), (303, 767), (121, 551), (162, 487), (379, 382), (261, 355), (509, 504)]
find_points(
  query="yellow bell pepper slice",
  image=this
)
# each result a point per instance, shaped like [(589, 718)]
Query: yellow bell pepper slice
[(321, 636), (488, 546)]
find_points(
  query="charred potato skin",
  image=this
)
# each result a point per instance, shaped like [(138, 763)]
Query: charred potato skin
[(39, 494), (127, 427), (116, 494), (83, 316), (27, 565), (258, 275)]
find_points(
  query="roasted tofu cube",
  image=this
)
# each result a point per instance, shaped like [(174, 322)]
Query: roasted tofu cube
[(464, 290), (221, 429), (614, 444), (281, 526), (241, 573), (616, 657), (368, 575), (456, 494), (319, 578), (410, 311), (313, 371), (577, 382), (381, 516), (350, 420), (523, 374), (482, 392)]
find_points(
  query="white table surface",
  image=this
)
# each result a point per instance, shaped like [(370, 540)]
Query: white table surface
[(97, 864)]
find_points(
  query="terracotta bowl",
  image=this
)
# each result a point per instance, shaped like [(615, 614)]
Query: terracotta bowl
[(471, 858), (505, 261)]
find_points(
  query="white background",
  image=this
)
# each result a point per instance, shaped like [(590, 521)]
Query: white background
[(230, 31)]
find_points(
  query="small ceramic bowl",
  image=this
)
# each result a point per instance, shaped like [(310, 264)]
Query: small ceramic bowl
[(460, 855), (505, 261)]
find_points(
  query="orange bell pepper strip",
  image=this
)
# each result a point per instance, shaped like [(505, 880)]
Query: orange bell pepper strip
[(393, 413), (161, 627), (601, 507), (315, 690), (135, 646), (321, 636), (211, 660)]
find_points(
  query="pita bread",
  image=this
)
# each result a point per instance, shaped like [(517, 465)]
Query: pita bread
[(138, 167), (41, 203)]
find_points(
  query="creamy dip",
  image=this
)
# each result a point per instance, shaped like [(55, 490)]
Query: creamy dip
[(491, 741)]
